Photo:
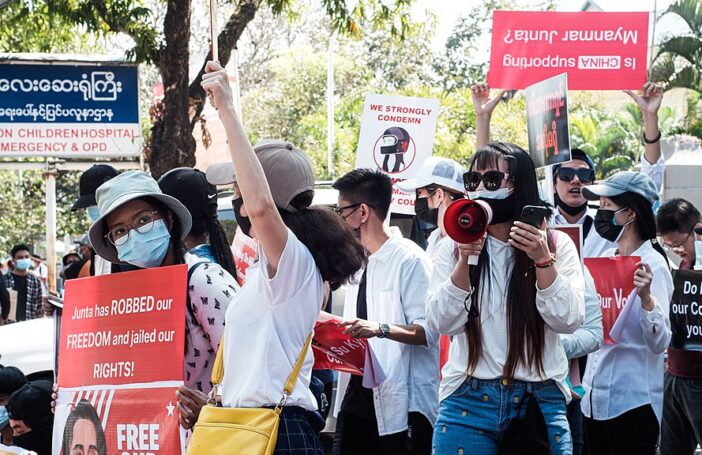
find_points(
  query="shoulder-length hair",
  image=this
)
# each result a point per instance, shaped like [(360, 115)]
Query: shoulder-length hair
[(525, 326), (336, 250), (83, 411)]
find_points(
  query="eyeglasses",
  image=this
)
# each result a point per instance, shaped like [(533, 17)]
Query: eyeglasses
[(567, 174), (680, 245), (340, 210), (142, 223), (492, 180)]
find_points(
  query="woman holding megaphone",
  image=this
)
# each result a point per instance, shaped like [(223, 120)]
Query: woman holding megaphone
[(504, 383)]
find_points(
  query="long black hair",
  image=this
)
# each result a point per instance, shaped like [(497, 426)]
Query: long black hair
[(217, 239), (336, 250), (83, 411), (644, 220), (525, 326)]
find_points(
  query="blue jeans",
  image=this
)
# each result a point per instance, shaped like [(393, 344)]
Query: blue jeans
[(473, 419)]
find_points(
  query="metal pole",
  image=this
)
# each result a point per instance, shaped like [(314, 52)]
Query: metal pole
[(237, 85), (50, 177), (330, 106), (653, 32)]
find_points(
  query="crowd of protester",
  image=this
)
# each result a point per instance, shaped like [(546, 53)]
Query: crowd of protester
[(526, 369)]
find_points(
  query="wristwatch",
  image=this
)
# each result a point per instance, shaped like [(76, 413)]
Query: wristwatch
[(384, 330)]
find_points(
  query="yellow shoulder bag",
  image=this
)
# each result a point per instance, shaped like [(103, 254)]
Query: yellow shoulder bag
[(247, 431)]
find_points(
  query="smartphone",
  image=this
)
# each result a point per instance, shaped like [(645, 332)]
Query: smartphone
[(534, 215)]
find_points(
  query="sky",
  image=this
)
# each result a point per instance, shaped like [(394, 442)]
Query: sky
[(448, 11)]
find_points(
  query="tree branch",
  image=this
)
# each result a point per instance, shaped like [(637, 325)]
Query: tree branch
[(127, 22), (227, 39)]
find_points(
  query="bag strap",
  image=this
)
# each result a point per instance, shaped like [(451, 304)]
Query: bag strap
[(218, 370)]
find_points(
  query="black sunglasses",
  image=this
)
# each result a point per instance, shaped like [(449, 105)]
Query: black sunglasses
[(567, 174), (492, 180), (698, 230)]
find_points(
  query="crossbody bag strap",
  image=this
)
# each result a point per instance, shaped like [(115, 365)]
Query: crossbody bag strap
[(218, 369)]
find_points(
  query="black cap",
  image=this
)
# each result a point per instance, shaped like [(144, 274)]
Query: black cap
[(191, 188), (90, 180), (31, 402)]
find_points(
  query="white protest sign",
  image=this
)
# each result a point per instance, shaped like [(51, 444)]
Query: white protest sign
[(397, 135)]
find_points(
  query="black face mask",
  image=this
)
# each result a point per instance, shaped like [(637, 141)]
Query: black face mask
[(243, 221), (502, 209), (572, 211), (424, 213), (606, 226)]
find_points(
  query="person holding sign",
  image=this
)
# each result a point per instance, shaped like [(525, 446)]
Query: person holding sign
[(681, 429), (141, 226), (300, 247), (506, 314), (569, 178), (624, 380)]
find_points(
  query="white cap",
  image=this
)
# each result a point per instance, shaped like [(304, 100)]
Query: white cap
[(436, 171)]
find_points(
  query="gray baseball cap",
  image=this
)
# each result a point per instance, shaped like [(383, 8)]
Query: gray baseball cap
[(287, 170), (120, 190), (623, 182)]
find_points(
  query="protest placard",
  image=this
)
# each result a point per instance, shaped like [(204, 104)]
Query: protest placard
[(575, 232), (397, 135), (547, 121), (245, 251), (686, 310), (121, 355), (598, 50), (614, 281), (335, 351)]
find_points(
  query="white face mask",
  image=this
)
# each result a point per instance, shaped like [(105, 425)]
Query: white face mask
[(502, 193)]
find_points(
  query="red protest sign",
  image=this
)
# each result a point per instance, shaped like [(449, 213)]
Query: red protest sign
[(614, 281), (106, 415), (245, 251), (335, 351), (599, 51), (124, 328), (575, 232)]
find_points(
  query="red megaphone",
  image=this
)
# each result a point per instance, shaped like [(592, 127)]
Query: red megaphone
[(465, 221)]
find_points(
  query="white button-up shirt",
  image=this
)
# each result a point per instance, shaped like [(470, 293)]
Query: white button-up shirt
[(623, 376), (560, 305), (396, 288)]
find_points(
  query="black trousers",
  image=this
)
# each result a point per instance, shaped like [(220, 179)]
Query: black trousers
[(682, 415), (634, 432), (356, 435)]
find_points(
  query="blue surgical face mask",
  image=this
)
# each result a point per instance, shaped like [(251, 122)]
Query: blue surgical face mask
[(23, 264), (698, 255), (93, 213), (146, 250), (4, 417)]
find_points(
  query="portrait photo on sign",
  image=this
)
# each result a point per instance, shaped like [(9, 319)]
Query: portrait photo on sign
[(395, 150)]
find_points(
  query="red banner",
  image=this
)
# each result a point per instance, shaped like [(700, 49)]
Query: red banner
[(335, 351), (106, 419), (575, 232), (245, 253), (124, 328), (614, 280), (599, 51)]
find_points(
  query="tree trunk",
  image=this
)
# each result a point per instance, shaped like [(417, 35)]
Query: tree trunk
[(172, 143)]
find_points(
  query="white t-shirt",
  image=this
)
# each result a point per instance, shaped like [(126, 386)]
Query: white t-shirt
[(267, 325)]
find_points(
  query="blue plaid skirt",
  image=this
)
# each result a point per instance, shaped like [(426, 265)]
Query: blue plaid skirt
[(295, 434)]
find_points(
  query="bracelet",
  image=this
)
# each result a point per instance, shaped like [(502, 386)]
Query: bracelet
[(652, 141), (546, 264)]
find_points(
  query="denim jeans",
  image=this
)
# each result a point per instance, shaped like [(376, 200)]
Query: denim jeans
[(473, 419), (681, 430)]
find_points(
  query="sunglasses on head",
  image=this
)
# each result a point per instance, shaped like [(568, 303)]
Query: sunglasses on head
[(492, 180), (567, 174)]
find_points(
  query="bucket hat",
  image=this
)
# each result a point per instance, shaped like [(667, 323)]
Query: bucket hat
[(120, 190)]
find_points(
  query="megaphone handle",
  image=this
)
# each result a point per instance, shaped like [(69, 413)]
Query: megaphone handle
[(472, 260)]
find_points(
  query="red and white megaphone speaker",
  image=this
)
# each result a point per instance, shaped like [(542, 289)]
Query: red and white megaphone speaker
[(465, 221)]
